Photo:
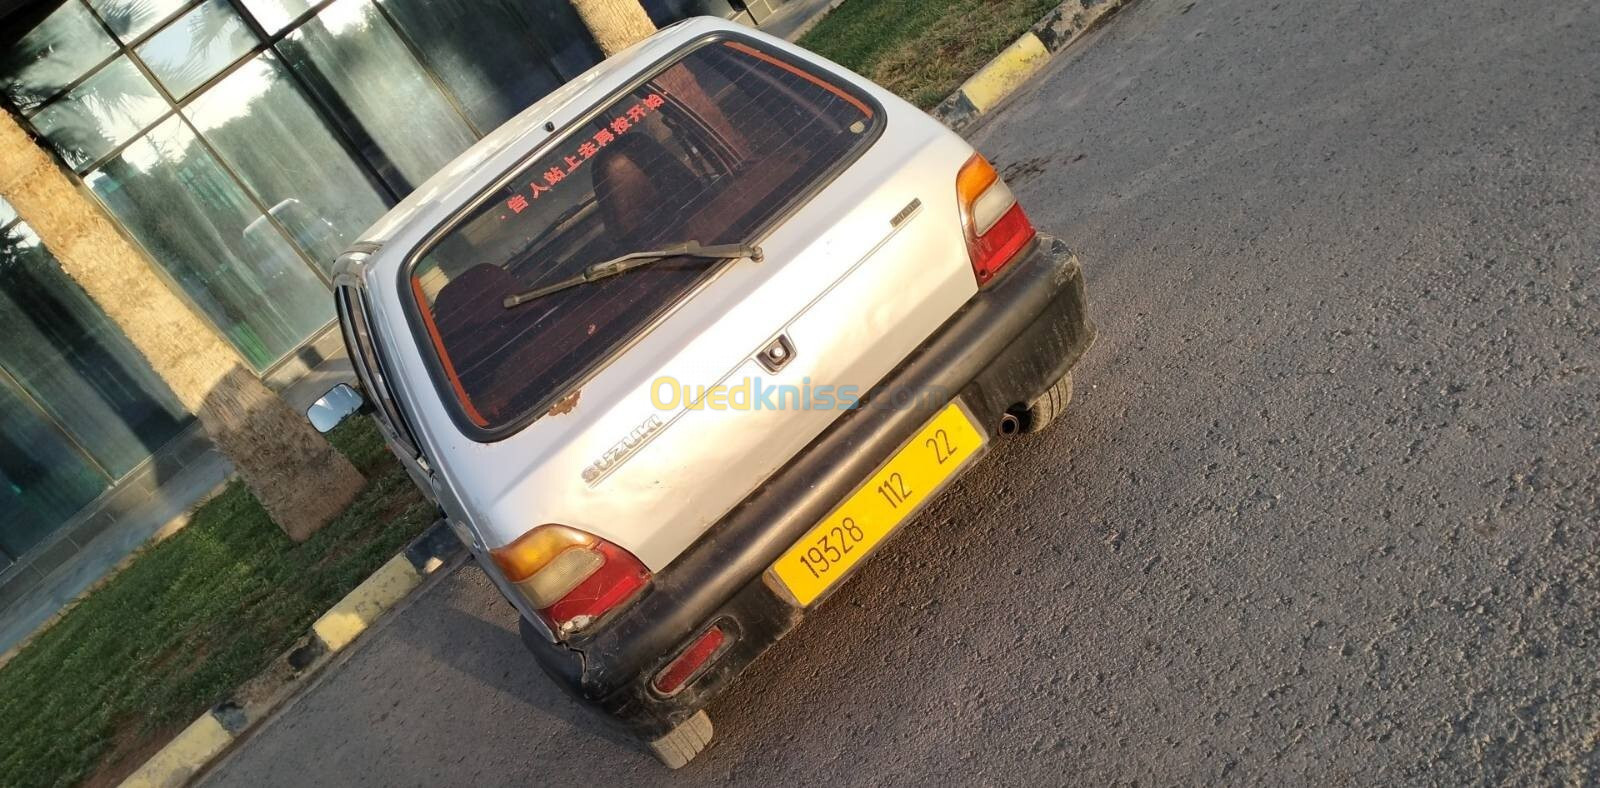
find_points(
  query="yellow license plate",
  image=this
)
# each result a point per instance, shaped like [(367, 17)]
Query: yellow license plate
[(913, 475)]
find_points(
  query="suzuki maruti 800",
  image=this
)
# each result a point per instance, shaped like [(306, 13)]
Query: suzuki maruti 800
[(682, 344)]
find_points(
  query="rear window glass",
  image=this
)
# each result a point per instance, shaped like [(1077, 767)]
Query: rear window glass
[(712, 148)]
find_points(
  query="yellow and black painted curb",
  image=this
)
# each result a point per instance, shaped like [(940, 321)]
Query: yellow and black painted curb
[(1001, 76), (215, 731)]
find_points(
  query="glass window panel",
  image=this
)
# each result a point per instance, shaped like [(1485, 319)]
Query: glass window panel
[(101, 113), (49, 57), (265, 129), (196, 222), (43, 478), (495, 54), (129, 19), (714, 148), (196, 46), (274, 15), (563, 33), (74, 361), (359, 67)]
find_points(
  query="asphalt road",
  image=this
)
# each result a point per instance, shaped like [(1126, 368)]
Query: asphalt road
[(1325, 510)]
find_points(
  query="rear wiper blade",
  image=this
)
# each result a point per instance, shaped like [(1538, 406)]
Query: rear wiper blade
[(628, 262)]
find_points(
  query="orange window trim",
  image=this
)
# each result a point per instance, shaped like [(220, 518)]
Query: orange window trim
[(444, 355), (808, 76)]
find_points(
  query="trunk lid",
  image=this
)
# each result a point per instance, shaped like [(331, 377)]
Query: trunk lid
[(638, 408)]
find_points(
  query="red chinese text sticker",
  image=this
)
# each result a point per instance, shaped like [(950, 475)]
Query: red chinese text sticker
[(586, 150)]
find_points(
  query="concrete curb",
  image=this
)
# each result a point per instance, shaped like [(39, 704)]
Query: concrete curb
[(1001, 76), (214, 732)]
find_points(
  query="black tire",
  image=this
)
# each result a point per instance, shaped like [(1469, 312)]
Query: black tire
[(676, 749), (1052, 403)]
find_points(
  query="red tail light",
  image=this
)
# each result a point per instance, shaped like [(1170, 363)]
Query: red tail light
[(570, 578), (996, 227)]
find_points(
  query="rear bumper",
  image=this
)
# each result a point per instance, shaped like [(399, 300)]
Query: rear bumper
[(1006, 346)]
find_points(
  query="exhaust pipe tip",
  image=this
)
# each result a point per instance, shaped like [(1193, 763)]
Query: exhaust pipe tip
[(1010, 424)]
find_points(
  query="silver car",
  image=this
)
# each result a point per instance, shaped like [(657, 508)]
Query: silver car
[(680, 345)]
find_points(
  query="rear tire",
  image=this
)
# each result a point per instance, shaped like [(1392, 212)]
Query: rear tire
[(678, 748), (1051, 404)]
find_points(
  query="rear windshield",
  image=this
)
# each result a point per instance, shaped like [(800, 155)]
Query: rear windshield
[(713, 148)]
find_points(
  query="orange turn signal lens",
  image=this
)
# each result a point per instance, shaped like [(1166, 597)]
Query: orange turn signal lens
[(535, 550), (975, 178)]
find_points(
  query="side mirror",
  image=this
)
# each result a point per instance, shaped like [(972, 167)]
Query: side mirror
[(334, 406)]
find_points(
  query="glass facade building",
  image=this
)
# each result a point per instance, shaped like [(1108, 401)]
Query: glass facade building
[(242, 144), (79, 408)]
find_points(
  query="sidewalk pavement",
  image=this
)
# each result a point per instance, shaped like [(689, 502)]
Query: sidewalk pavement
[(794, 18)]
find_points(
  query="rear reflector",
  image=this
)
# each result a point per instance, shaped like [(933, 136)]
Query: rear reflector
[(679, 671)]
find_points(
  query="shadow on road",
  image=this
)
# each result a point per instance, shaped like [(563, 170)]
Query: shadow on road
[(498, 660)]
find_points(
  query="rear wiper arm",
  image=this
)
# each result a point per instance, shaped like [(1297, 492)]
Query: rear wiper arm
[(628, 262)]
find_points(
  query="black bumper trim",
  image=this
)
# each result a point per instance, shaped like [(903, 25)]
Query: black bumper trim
[(1007, 345)]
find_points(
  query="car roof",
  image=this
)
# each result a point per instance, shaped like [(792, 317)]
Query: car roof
[(437, 199)]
